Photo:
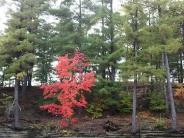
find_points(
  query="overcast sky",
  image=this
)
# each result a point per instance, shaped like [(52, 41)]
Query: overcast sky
[(4, 9)]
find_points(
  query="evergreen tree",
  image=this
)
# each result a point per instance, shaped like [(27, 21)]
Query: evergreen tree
[(134, 16), (103, 41), (74, 23), (166, 40), (143, 42), (17, 51), (45, 53)]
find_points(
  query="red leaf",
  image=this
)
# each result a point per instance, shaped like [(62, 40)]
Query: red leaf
[(74, 81)]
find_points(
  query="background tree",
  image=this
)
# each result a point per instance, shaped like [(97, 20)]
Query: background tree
[(17, 52), (46, 53)]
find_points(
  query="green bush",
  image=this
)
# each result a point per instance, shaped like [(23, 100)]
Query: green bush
[(110, 97), (107, 94), (95, 110), (5, 99), (125, 103), (157, 101)]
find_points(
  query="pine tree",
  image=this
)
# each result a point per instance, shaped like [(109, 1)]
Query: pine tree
[(17, 52), (45, 52), (132, 26), (104, 40), (165, 42), (74, 23), (141, 57)]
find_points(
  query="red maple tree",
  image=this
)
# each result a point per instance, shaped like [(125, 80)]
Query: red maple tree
[(75, 80)]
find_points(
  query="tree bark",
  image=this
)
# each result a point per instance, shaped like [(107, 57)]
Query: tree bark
[(103, 39), (169, 86), (2, 82), (29, 77), (167, 101), (165, 87), (17, 124), (113, 69), (134, 106), (80, 23), (134, 103), (24, 86), (181, 67), (170, 92)]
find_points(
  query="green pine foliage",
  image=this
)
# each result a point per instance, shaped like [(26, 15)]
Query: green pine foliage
[(125, 47)]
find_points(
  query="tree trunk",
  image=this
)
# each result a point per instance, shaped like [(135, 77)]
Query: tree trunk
[(29, 78), (165, 87), (113, 69), (103, 39), (181, 67), (170, 92), (80, 24), (134, 98), (24, 85), (17, 124), (167, 101), (2, 82), (182, 53), (134, 106), (178, 71)]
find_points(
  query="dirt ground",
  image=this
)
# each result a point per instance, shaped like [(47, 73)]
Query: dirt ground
[(31, 116)]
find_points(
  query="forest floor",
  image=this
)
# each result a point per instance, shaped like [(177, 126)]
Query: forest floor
[(33, 117)]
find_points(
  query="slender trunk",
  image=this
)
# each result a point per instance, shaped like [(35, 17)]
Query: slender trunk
[(165, 87), (181, 67), (178, 71), (182, 53), (29, 77), (29, 80), (134, 104), (80, 36), (151, 77), (24, 85), (103, 39), (80, 23), (9, 83), (134, 98), (46, 78), (151, 56), (170, 92), (17, 124), (167, 101), (113, 69), (2, 82), (169, 85)]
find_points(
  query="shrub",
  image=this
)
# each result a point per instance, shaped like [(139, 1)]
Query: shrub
[(126, 102), (157, 102), (107, 94), (75, 81), (5, 102), (110, 97), (95, 110)]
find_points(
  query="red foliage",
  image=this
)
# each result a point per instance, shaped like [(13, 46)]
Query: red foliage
[(74, 82)]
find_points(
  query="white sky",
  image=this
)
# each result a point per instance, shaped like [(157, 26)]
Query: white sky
[(4, 10)]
